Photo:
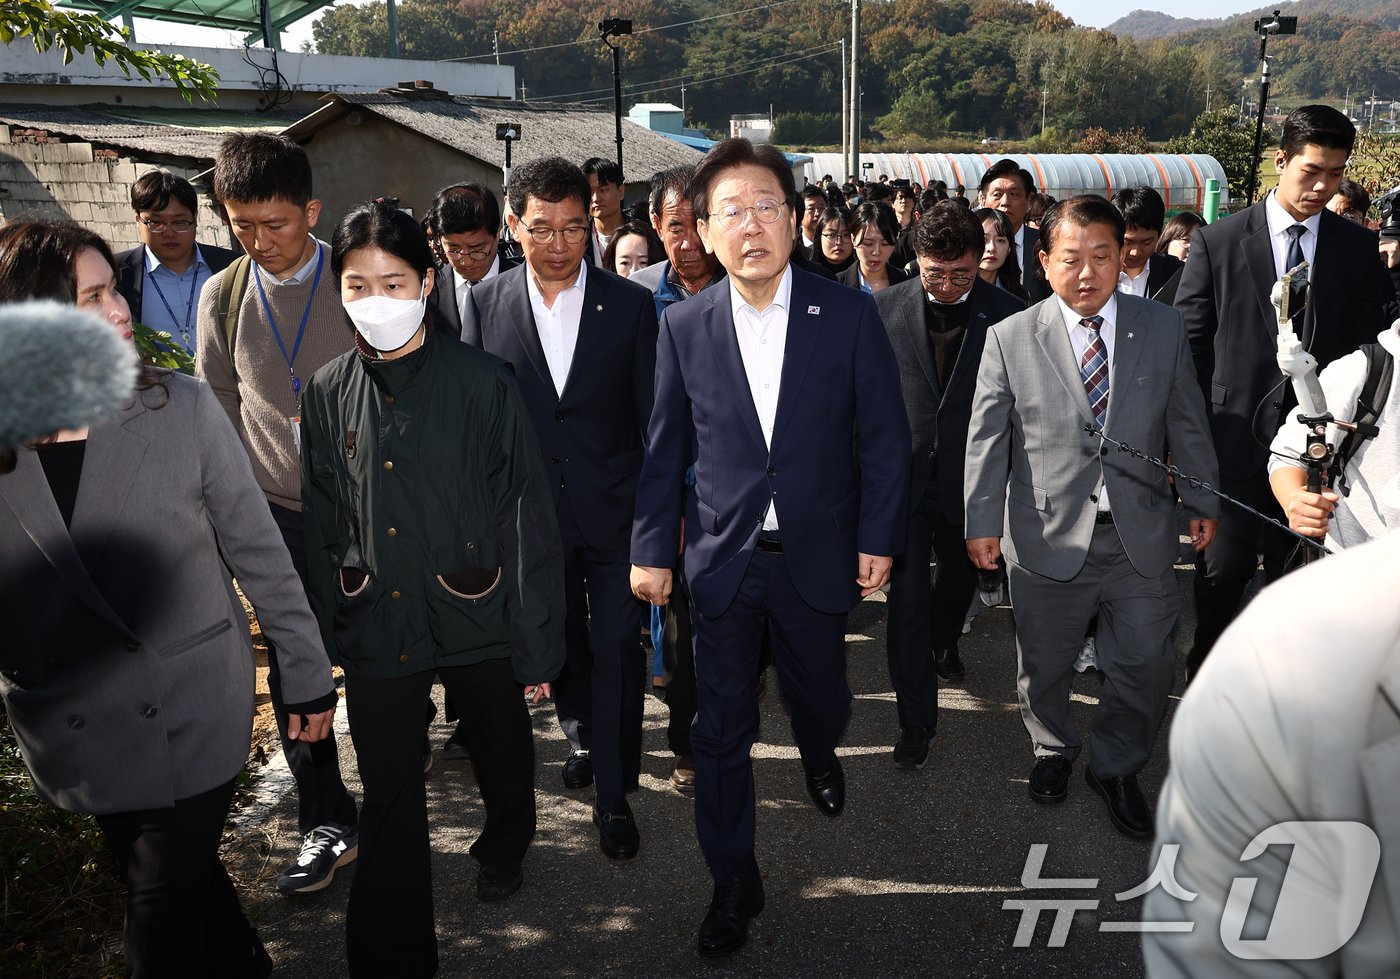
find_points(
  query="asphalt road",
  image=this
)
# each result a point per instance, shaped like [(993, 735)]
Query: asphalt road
[(909, 881)]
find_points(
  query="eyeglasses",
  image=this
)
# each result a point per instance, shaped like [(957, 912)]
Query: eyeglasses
[(732, 216), (836, 235), (958, 279), (157, 227), (572, 235), (475, 254)]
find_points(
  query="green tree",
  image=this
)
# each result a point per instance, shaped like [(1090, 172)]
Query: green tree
[(1219, 133), (88, 34)]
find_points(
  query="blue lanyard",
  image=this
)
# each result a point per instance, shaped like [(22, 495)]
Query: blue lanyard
[(301, 330), (189, 307)]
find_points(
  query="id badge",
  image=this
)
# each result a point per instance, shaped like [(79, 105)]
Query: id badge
[(295, 422)]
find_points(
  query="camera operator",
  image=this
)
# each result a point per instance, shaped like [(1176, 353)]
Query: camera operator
[(1363, 513)]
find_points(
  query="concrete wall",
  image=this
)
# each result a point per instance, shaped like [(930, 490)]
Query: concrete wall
[(27, 76), (41, 175)]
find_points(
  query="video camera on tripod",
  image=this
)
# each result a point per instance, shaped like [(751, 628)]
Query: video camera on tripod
[(1389, 209)]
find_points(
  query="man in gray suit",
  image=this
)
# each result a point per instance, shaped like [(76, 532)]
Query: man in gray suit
[(1089, 531)]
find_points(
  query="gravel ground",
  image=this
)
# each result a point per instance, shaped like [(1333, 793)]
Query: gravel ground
[(909, 880)]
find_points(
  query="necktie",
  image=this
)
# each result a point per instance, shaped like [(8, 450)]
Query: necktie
[(1294, 256), (464, 294), (1093, 368)]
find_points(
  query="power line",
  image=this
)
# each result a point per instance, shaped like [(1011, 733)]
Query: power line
[(688, 80), (644, 30)]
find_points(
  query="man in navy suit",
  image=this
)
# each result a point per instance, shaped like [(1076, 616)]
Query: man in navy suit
[(937, 325), (464, 225), (583, 343), (762, 384)]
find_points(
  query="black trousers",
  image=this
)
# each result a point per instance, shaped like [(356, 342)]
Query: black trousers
[(598, 695), (182, 915), (926, 611), (389, 924), (1227, 566), (809, 652), (321, 793)]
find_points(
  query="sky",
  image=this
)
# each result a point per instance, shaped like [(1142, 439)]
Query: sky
[(1089, 13)]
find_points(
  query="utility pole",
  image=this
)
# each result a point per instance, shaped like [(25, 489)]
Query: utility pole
[(1044, 98), (610, 28), (496, 45), (845, 107), (682, 103), (393, 29), (522, 90), (1207, 96), (855, 90)]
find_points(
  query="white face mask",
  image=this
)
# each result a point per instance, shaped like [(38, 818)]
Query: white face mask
[(387, 323)]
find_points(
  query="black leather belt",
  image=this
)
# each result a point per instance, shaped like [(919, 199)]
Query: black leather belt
[(1103, 516), (771, 543)]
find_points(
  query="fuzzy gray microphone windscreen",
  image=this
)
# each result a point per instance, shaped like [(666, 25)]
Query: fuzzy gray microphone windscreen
[(59, 368)]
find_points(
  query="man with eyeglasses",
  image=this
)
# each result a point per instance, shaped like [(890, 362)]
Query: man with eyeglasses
[(762, 384), (937, 326), (464, 225), (161, 278), (583, 344)]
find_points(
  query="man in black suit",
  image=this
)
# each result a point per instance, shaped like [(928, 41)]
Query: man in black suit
[(1008, 188), (936, 324), (813, 203), (169, 260), (583, 344), (464, 225), (1224, 296), (1145, 273)]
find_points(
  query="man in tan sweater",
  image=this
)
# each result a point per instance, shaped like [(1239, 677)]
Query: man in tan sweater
[(289, 323)]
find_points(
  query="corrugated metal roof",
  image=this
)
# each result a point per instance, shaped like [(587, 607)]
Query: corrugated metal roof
[(230, 15), (468, 125), (145, 139), (1179, 178)]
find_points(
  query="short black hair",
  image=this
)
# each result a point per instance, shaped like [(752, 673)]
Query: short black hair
[(879, 192), (606, 171), (1007, 168), (154, 189), (1355, 194), (380, 224), (947, 232), (1081, 211), (253, 168), (1037, 206), (551, 179), (664, 183), (1141, 207), (462, 208), (876, 216), (737, 152), (929, 198), (1316, 125)]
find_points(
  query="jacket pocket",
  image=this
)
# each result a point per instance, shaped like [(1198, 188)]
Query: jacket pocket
[(626, 464), (844, 513), (190, 641), (353, 581), (466, 600), (472, 583), (1217, 393), (710, 522), (1027, 495)]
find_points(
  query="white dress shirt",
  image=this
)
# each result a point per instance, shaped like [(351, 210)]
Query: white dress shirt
[(1134, 285), (557, 325), (1079, 341), (762, 337), (1279, 223), (463, 286), (1021, 248), (307, 269)]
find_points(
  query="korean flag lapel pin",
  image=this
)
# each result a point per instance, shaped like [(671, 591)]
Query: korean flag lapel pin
[(814, 310)]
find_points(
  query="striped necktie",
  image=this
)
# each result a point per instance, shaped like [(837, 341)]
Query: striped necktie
[(1093, 368)]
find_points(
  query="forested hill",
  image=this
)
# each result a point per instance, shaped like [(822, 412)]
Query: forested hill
[(1144, 25), (929, 68)]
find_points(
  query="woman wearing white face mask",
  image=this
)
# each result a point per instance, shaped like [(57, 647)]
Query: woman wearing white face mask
[(433, 550)]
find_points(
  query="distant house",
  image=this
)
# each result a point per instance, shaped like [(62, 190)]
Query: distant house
[(408, 143)]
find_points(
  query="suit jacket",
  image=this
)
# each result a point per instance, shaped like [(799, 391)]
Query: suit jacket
[(1224, 296), (131, 271), (127, 668), (442, 301), (591, 433), (839, 379), (1163, 277), (850, 275), (1036, 286), (938, 416), (1032, 469), (1253, 744)]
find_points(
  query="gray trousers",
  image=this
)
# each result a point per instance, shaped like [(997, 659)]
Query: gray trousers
[(1135, 655)]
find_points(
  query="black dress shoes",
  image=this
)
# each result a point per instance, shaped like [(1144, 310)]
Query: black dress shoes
[(496, 882), (1050, 778), (828, 788), (1126, 805), (911, 751), (617, 830), (578, 771), (726, 927), (455, 747), (948, 664)]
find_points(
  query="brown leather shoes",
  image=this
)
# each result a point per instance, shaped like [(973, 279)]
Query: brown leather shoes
[(683, 774)]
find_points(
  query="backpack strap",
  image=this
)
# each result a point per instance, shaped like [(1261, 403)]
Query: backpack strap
[(1380, 371), (231, 289)]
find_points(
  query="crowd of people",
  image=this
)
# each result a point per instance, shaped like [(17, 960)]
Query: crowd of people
[(471, 452)]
